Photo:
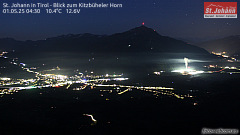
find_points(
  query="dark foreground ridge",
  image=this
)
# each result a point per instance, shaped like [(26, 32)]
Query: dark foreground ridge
[(139, 39)]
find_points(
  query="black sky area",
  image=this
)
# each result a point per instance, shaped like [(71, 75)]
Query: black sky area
[(181, 19)]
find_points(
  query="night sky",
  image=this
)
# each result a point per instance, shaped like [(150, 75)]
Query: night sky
[(175, 18)]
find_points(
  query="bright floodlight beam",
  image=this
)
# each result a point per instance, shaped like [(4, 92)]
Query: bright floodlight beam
[(187, 71), (186, 63)]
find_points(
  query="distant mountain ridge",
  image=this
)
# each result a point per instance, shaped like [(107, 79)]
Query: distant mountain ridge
[(139, 39), (230, 44)]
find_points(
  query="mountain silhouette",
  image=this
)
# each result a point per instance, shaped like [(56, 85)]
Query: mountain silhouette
[(139, 39), (230, 44)]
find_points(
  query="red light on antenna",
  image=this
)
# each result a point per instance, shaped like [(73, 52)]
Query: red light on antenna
[(143, 23)]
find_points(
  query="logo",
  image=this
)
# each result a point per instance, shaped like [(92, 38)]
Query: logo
[(220, 9)]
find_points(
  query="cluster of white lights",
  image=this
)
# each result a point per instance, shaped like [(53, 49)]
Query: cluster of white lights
[(188, 71)]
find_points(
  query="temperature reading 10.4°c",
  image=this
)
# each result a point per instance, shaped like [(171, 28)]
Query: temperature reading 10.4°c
[(54, 11), (59, 11)]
